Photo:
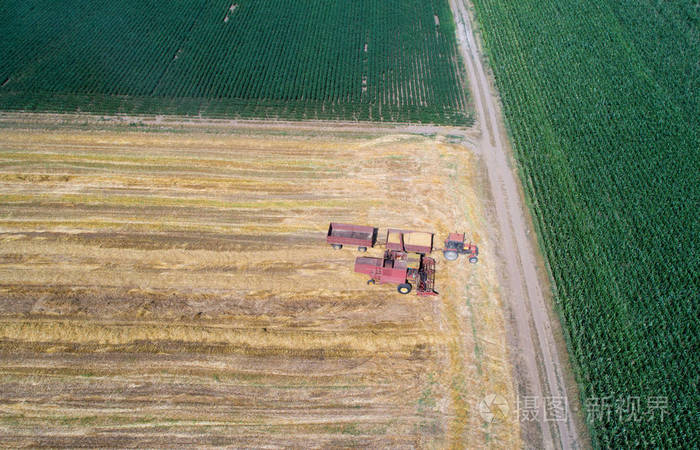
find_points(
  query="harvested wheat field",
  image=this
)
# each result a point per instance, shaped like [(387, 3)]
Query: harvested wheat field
[(167, 288)]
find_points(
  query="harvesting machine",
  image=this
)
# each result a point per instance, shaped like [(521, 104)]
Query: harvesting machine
[(400, 269), (405, 262)]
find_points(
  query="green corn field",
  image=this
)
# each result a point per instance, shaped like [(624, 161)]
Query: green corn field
[(602, 100), (379, 60)]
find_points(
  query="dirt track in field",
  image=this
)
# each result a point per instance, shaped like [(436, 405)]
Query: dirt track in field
[(539, 359), (171, 287)]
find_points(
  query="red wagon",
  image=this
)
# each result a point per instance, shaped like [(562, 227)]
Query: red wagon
[(340, 234), (409, 241)]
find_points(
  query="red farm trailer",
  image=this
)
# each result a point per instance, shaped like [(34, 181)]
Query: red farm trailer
[(400, 269), (340, 234), (409, 241)]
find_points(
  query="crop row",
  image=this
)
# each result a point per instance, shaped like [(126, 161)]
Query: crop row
[(601, 99), (369, 59)]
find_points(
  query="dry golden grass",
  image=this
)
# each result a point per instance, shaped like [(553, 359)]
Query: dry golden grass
[(113, 334), (168, 288)]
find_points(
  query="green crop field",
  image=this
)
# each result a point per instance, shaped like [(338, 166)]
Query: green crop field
[(602, 100), (380, 60)]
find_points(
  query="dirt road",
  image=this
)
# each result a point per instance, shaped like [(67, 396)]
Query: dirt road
[(533, 334)]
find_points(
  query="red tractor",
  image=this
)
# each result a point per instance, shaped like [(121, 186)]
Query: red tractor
[(455, 246)]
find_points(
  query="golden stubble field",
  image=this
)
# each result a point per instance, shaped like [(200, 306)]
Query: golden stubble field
[(169, 288)]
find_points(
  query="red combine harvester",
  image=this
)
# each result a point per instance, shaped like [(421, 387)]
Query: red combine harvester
[(405, 262), (398, 268)]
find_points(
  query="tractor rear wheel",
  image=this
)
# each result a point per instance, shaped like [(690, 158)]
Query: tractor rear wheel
[(361, 249), (404, 288), (473, 259), (337, 246), (450, 255)]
